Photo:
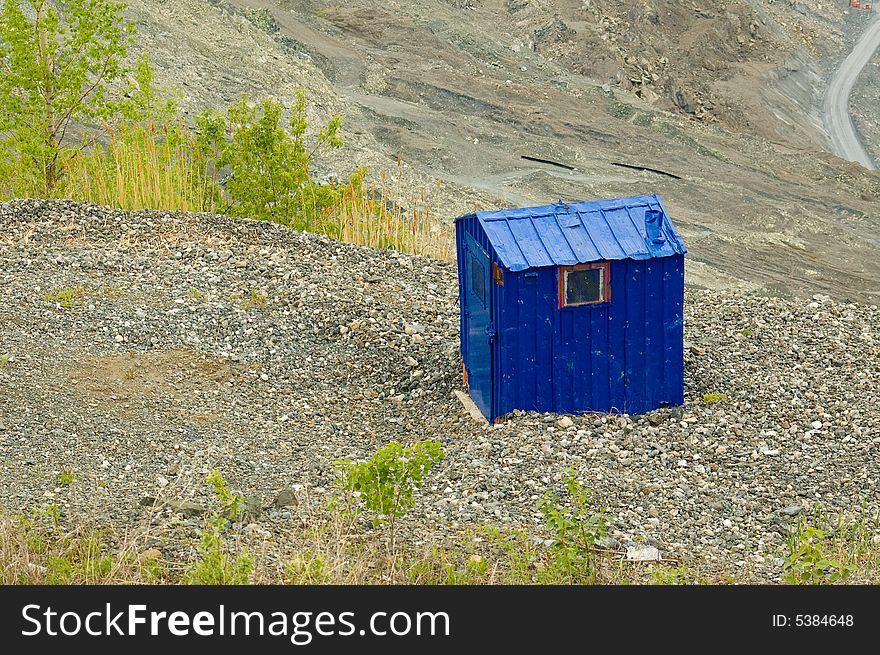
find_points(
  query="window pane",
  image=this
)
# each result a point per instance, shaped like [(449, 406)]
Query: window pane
[(583, 286), (478, 280)]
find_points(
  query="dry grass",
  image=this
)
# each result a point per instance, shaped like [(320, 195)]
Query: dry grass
[(143, 166), (153, 166), (336, 543), (330, 548), (375, 214), (36, 550), (322, 546)]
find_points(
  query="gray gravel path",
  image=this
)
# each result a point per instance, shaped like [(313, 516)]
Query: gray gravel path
[(197, 341)]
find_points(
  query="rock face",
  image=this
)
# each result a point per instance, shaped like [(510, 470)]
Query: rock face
[(554, 33), (273, 395), (720, 94)]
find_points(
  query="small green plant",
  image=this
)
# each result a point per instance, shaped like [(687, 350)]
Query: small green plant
[(667, 575), (253, 300), (67, 298), (746, 333), (575, 528), (385, 483), (443, 566), (4, 359), (153, 570), (306, 568), (217, 566), (232, 504), (713, 397), (148, 563), (257, 299), (809, 559), (49, 511), (65, 478), (198, 296), (476, 567)]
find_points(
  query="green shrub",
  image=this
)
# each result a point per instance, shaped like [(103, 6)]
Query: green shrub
[(574, 528), (231, 503), (810, 559), (385, 483), (710, 398), (65, 64), (216, 565), (269, 161)]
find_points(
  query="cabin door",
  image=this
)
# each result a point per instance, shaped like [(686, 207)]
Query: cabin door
[(480, 335)]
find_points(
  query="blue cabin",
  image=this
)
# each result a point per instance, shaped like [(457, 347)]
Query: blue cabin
[(572, 308)]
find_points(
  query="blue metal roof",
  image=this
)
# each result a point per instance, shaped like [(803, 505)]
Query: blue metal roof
[(581, 232)]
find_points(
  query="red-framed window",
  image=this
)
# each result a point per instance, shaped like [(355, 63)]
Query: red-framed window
[(584, 284)]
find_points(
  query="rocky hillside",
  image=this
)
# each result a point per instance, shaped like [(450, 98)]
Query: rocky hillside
[(707, 60), (863, 105), (147, 348), (722, 95)]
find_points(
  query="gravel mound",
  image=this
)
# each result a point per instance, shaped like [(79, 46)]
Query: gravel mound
[(147, 348)]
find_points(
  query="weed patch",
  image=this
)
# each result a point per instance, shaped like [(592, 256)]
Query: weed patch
[(217, 565), (824, 549), (67, 298)]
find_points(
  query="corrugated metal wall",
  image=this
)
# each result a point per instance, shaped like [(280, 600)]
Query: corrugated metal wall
[(624, 356), (470, 225)]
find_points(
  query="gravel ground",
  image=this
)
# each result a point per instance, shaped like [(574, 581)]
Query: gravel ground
[(197, 341)]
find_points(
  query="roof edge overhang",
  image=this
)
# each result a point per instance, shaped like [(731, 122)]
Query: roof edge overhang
[(526, 238)]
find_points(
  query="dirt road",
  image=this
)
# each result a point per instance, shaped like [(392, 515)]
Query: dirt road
[(845, 141)]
